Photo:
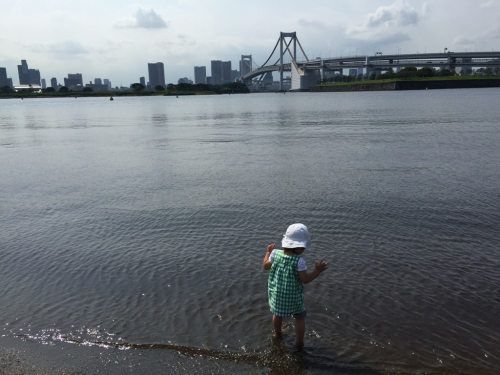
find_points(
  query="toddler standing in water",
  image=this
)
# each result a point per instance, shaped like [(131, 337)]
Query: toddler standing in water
[(286, 279)]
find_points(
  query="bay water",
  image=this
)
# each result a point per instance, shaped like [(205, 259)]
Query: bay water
[(145, 221)]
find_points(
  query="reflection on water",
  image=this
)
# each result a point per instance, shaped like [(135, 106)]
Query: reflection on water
[(144, 221)]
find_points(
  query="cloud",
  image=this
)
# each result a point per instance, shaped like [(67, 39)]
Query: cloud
[(379, 42), (385, 21), (68, 47), (493, 33), (464, 41), (145, 19), (426, 10), (487, 4), (490, 34)]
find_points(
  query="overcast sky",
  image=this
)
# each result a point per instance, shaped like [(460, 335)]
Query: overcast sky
[(116, 39)]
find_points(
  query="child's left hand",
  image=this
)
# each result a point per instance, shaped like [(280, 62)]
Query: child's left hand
[(270, 248)]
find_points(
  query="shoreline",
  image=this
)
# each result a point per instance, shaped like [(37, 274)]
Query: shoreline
[(400, 85), (79, 94), (20, 356)]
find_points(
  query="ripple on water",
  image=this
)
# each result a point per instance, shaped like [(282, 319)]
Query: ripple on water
[(128, 233)]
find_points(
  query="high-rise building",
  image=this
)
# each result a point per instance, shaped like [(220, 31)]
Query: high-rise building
[(353, 72), (142, 81), (234, 75), (268, 78), (28, 76), (97, 86), (200, 74), (226, 71), (216, 67), (3, 77), (9, 83), (209, 80), (185, 80), (156, 74), (34, 75), (73, 80), (108, 83), (53, 83), (44, 85), (24, 76), (98, 81)]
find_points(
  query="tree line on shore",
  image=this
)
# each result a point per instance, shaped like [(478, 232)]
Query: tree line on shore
[(137, 88), (226, 88), (411, 72)]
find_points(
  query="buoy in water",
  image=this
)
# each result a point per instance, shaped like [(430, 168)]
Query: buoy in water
[(111, 98), (177, 96)]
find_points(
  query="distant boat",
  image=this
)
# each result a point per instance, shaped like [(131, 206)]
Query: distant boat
[(111, 98)]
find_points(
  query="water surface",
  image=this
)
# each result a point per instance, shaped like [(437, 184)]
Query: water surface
[(146, 220)]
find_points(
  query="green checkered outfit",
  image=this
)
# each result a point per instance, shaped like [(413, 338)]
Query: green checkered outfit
[(285, 289)]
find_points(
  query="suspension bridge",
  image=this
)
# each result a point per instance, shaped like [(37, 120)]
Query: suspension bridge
[(306, 72)]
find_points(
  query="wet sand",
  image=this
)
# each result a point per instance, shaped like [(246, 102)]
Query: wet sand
[(30, 358)]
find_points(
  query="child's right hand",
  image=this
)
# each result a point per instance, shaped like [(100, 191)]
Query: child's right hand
[(321, 266)]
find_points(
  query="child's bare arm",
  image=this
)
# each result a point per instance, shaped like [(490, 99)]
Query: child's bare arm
[(308, 277), (267, 264)]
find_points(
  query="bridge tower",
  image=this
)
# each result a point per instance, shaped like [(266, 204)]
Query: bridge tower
[(245, 64), (282, 40)]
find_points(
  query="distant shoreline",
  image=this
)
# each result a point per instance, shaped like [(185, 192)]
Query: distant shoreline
[(409, 84), (79, 94)]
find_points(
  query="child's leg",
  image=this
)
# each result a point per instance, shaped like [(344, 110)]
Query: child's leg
[(277, 320), (300, 329)]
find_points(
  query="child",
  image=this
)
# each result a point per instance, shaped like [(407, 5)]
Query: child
[(288, 274)]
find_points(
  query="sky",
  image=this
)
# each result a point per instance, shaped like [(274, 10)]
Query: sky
[(115, 39)]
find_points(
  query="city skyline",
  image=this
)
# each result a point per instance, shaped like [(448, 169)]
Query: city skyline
[(184, 34)]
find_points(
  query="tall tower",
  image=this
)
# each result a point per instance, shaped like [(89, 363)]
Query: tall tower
[(156, 74), (34, 77), (3, 77), (200, 74), (216, 67), (226, 72), (294, 55), (24, 75), (245, 64)]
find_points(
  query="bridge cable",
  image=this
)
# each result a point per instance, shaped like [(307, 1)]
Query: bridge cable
[(256, 64), (272, 52), (301, 72), (286, 49), (302, 49)]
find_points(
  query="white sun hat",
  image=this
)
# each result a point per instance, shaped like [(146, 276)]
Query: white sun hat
[(296, 235)]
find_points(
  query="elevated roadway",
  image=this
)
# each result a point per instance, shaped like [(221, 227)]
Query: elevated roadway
[(307, 72), (448, 61)]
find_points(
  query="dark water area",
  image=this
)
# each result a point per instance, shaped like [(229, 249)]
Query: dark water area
[(144, 221)]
